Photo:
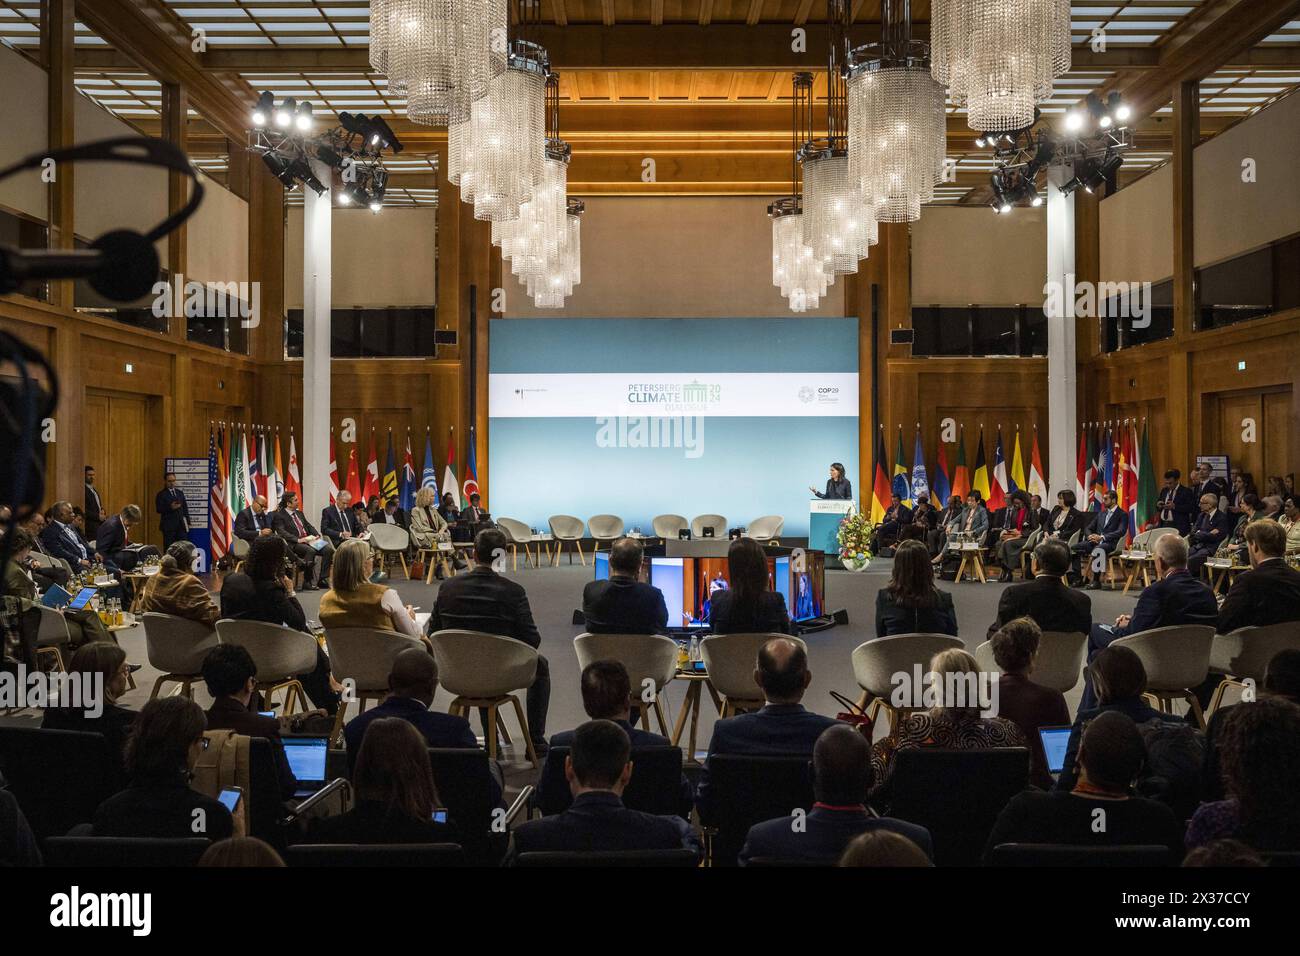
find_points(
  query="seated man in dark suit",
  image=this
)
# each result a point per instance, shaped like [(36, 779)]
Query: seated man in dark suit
[(51, 571), (1097, 546), (782, 727), (231, 678), (474, 512), (113, 541), (606, 695), (897, 515), (1269, 593), (391, 513), (1212, 529), (1176, 504), (622, 604), (253, 522), (303, 541), (841, 779), (1174, 598), (413, 681), (62, 540), (336, 521), (483, 600), (598, 770), (1046, 600)]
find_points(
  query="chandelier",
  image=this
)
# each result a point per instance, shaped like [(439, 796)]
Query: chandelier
[(897, 128), (440, 54), (796, 271), (550, 287), (839, 224), (997, 58)]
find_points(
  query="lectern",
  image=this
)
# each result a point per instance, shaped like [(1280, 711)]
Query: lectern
[(824, 517)]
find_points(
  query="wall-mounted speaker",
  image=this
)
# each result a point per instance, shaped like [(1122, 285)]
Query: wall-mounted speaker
[(901, 336)]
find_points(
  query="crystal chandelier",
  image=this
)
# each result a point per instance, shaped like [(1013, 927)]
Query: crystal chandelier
[(796, 271), (839, 224), (440, 54), (997, 58), (897, 128)]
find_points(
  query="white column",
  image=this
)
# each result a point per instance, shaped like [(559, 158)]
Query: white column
[(316, 274), (1062, 414)]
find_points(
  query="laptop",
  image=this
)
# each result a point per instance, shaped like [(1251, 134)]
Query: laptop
[(307, 761), (1055, 740)]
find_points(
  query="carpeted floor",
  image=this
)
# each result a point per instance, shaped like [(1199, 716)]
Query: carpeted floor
[(555, 593)]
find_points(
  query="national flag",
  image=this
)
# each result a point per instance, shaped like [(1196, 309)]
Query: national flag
[(371, 487), (263, 464), (1130, 477), (901, 486), (998, 488), (942, 490), (880, 486), (980, 479), (254, 470), (1147, 495), (239, 497), (226, 442), (1037, 483), (1082, 470), (1105, 467), (333, 476), (275, 487), (960, 475), (352, 484), (218, 517), (388, 489), (1098, 445), (920, 480), (1017, 475), (471, 467), (449, 484), (407, 491), (429, 477), (291, 480)]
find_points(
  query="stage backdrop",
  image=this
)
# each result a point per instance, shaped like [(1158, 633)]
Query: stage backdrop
[(640, 417)]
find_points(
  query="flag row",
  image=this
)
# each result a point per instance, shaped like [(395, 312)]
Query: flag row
[(1113, 457)]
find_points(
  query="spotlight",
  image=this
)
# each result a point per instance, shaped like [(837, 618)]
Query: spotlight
[(1116, 108), (303, 173), (376, 204), (344, 198), (1005, 207), (265, 103), (284, 115), (980, 141), (1122, 112), (1037, 200), (384, 135), (327, 156), (280, 167), (1074, 121), (303, 117), (1105, 121)]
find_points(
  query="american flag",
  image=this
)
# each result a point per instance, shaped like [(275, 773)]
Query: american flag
[(218, 514)]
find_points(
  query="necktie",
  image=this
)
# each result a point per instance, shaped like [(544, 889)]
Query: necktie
[(301, 532)]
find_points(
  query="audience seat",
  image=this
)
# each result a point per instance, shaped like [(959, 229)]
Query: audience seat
[(1244, 654), (59, 777), (239, 551), (567, 528), (746, 790), (390, 539), (669, 526), (1176, 659), (463, 779), (518, 535), (123, 851), (364, 656), (176, 646), (372, 855), (647, 657), (52, 637), (280, 653), (766, 529), (655, 787), (717, 522), (729, 660), (605, 528), (1058, 664), (1063, 855), (604, 858), (957, 795), (876, 662), (484, 670)]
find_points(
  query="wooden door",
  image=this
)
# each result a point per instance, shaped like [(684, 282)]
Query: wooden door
[(122, 443)]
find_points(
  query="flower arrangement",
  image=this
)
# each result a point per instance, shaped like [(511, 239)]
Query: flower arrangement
[(854, 538)]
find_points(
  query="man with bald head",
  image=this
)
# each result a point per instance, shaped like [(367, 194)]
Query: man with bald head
[(782, 727), (253, 522), (1211, 530), (622, 603), (841, 778), (412, 683)]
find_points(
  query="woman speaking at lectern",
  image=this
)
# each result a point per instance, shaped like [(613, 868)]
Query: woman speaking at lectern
[(837, 486)]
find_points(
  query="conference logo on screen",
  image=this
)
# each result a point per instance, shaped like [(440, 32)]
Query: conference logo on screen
[(674, 397)]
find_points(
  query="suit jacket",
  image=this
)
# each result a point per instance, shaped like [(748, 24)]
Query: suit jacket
[(17, 582), (1270, 594), (173, 519), (771, 617), (428, 527), (399, 518), (249, 524), (1030, 706), (93, 505), (598, 821), (826, 833), (282, 524), (900, 515), (775, 730), (979, 521), (622, 605), (437, 729), (638, 737), (1181, 504), (61, 541), (483, 600), (334, 521), (161, 808), (243, 598), (1215, 486), (111, 537), (836, 488), (1112, 526), (1052, 605), (893, 618), (1212, 530), (473, 515), (1176, 599), (1072, 523), (179, 592)]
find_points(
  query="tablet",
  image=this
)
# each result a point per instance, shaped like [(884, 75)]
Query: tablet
[(83, 598), (1054, 740)]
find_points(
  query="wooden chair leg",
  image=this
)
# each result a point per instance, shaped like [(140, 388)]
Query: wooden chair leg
[(659, 714), (405, 570), (1194, 703), (1219, 691), (157, 685), (526, 730), (577, 543), (337, 731), (492, 731)]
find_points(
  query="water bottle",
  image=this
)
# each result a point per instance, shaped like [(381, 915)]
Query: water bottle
[(695, 647)]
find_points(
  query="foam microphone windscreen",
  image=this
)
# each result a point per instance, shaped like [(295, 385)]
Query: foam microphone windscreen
[(130, 266)]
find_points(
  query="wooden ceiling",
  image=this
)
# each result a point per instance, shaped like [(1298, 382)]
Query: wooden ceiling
[(701, 86)]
